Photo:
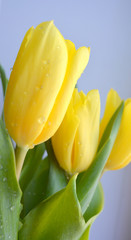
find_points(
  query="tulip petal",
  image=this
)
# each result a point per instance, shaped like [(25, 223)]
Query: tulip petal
[(121, 153), (23, 46), (63, 139), (87, 135), (35, 83), (76, 65), (112, 103)]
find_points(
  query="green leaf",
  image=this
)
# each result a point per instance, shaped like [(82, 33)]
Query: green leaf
[(112, 127), (57, 179), (96, 204), (32, 161), (33, 179), (85, 235), (10, 193), (88, 180), (94, 209), (57, 218), (3, 79), (35, 191)]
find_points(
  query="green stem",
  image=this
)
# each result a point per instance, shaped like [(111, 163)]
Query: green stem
[(20, 154)]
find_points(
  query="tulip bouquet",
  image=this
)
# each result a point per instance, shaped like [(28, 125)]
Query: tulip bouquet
[(53, 146)]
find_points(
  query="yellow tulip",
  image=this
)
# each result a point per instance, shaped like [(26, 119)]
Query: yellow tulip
[(41, 84), (121, 153), (75, 142)]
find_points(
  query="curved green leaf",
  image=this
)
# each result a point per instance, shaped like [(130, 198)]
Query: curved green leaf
[(10, 193), (31, 163), (57, 218), (88, 180), (96, 204), (33, 178), (4, 79), (94, 209), (57, 179), (35, 191)]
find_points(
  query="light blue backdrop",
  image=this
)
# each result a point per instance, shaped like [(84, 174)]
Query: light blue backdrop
[(105, 26)]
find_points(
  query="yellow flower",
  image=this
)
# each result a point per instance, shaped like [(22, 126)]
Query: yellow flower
[(75, 142), (41, 84), (121, 153)]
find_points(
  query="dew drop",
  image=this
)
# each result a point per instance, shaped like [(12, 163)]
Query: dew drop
[(41, 28), (12, 208), (25, 93), (49, 123), (79, 143), (41, 120), (47, 74), (37, 88), (58, 47), (4, 179), (45, 62), (41, 87)]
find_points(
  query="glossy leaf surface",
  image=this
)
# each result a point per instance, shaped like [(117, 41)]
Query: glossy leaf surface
[(10, 193)]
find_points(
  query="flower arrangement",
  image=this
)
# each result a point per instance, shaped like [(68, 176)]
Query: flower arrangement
[(50, 177)]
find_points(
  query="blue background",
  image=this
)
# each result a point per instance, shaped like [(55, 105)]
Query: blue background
[(105, 26)]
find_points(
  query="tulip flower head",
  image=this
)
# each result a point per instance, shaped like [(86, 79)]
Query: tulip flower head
[(41, 84), (75, 142), (121, 153)]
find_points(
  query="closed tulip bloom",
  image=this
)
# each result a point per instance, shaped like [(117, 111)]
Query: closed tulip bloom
[(75, 142), (121, 153), (41, 84)]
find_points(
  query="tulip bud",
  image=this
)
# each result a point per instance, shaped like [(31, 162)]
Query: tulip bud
[(121, 152), (75, 142), (41, 84)]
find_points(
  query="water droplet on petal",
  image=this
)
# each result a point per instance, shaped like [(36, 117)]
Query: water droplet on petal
[(58, 47), (41, 86), (25, 93), (37, 88), (49, 123), (41, 28), (47, 74), (45, 62), (12, 124), (79, 143), (41, 120)]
